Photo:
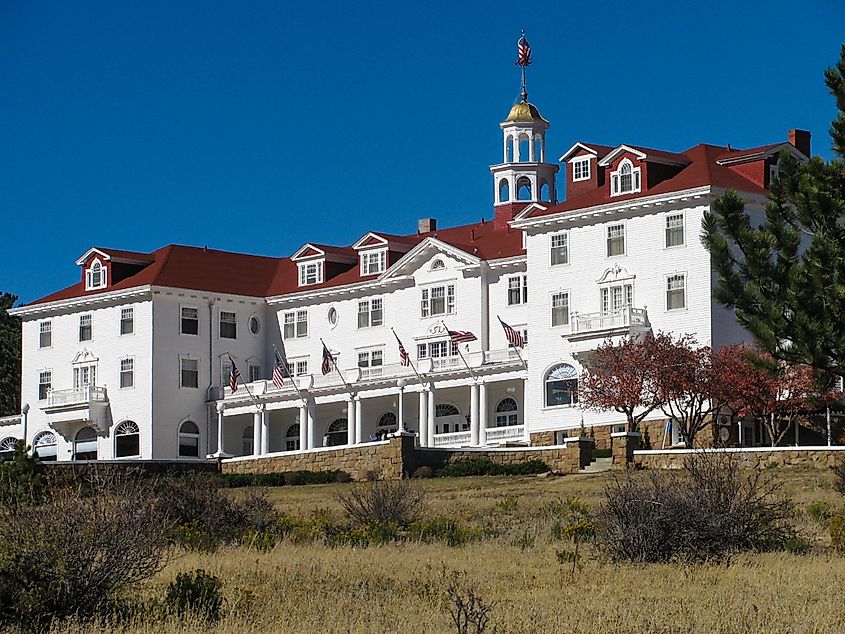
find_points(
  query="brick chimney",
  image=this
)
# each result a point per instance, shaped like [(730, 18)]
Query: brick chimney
[(427, 225), (801, 140)]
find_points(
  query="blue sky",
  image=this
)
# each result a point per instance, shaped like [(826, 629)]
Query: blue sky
[(258, 126)]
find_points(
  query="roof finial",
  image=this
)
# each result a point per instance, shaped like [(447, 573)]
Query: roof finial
[(523, 59)]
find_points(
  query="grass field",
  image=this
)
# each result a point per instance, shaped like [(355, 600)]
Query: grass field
[(400, 587)]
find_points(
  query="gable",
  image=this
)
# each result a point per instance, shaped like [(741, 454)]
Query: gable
[(422, 255)]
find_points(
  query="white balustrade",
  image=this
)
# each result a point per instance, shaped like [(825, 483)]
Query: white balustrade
[(76, 396), (611, 320), (454, 439), (495, 434)]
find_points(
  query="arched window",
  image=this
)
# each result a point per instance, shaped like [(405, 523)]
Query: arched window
[(561, 385), (8, 444), (95, 275), (387, 421), (524, 149), (509, 145), (85, 444), (292, 438), (336, 433), (545, 191), (127, 440), (438, 265), (523, 188), (247, 444), (626, 179), (504, 190), (189, 440), (446, 409), (507, 413), (538, 149), (448, 418), (44, 444)]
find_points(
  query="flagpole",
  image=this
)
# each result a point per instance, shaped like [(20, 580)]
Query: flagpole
[(339, 373), (515, 348), (460, 354), (244, 383), (290, 376), (411, 363)]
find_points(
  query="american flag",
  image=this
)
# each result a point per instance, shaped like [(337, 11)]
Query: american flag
[(404, 357), (514, 338), (461, 336), (234, 375), (328, 360), (523, 49), (279, 369)]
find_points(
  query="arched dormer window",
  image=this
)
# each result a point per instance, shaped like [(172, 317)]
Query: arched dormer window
[(561, 385), (625, 180), (95, 275)]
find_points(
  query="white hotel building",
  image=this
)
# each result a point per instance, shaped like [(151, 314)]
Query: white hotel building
[(131, 361)]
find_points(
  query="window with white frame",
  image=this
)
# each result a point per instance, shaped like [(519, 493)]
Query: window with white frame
[(297, 367), (676, 291), (127, 321), (254, 372), (560, 309), (437, 350), (189, 373), (228, 325), (292, 438), (127, 440), (85, 328), (225, 370), (45, 334), (45, 382), (615, 240), (84, 376), (373, 262), (95, 276), (507, 413), (437, 300), (616, 297), (370, 361), (675, 230), (127, 372), (190, 321), (625, 180), (189, 440), (581, 169), (310, 273), (559, 249), (561, 385), (370, 313), (295, 324), (517, 289)]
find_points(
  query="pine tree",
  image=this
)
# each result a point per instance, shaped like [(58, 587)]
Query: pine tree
[(785, 276), (10, 358)]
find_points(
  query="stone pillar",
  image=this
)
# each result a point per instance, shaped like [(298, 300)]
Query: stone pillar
[(423, 416), (265, 430), (624, 444), (350, 420), (303, 427), (310, 410), (482, 413), (579, 452), (257, 419), (358, 422), (432, 411), (473, 414)]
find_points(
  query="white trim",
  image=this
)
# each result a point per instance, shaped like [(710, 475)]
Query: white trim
[(666, 277), (666, 216), (81, 300), (359, 242), (429, 243), (297, 256), (568, 293), (585, 160), (303, 266), (756, 156), (627, 149), (577, 146), (608, 227), (364, 261)]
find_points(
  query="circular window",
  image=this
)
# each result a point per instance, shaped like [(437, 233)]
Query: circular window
[(254, 325), (332, 316)]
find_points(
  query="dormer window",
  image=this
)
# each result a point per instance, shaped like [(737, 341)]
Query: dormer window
[(95, 276), (581, 169), (310, 273), (625, 180), (373, 262)]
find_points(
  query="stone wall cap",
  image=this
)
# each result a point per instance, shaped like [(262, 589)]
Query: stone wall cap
[(623, 434), (569, 439)]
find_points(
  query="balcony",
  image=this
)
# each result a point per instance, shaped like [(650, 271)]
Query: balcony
[(625, 321), (76, 397)]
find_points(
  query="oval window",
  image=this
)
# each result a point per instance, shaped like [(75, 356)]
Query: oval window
[(333, 316), (254, 325)]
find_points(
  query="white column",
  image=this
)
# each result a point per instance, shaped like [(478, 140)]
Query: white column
[(265, 430), (432, 411), (256, 431), (482, 414), (303, 426), (473, 413), (423, 424), (350, 420), (310, 410), (401, 422), (220, 409), (525, 410), (358, 422)]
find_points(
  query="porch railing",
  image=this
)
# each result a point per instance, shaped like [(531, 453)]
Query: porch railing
[(496, 434), (454, 439), (610, 320), (76, 396)]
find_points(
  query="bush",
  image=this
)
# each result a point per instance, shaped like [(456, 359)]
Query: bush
[(484, 466), (423, 472), (291, 478), (836, 527), (384, 502), (820, 511), (602, 453), (839, 476), (445, 530), (707, 510), (195, 593)]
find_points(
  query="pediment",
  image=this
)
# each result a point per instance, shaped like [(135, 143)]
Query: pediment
[(84, 357), (530, 209), (307, 251), (370, 240), (423, 254), (615, 273), (93, 251)]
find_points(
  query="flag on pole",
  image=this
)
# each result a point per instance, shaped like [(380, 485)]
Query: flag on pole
[(279, 369), (404, 357), (462, 336), (328, 361), (514, 338), (523, 51), (234, 375)]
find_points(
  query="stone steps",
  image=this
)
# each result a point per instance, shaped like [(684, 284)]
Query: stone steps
[(598, 465)]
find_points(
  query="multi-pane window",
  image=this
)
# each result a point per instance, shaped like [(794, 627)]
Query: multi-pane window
[(675, 230), (370, 358), (296, 324), (225, 371), (228, 325), (127, 321), (616, 240), (189, 373), (625, 180), (437, 300), (190, 321), (45, 334), (560, 249), (617, 297), (581, 169), (45, 382), (517, 290), (676, 291), (95, 276), (373, 262), (254, 372), (560, 309), (437, 350), (84, 375), (370, 313), (127, 372), (310, 273), (297, 367), (85, 331)]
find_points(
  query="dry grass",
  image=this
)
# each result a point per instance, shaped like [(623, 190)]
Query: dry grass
[(401, 587)]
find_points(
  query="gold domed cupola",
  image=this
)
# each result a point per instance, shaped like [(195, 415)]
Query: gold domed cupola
[(525, 112)]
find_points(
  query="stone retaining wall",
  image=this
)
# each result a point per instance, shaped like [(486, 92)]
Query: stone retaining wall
[(748, 457)]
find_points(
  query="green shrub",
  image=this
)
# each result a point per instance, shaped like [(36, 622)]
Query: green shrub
[(602, 453), (423, 472), (820, 511), (484, 466), (445, 530), (797, 546), (524, 541), (195, 593), (836, 527), (384, 502), (295, 478), (291, 478)]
